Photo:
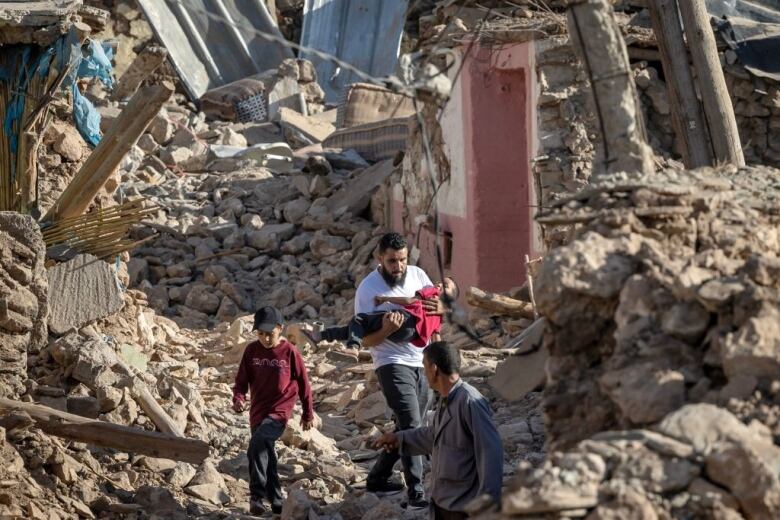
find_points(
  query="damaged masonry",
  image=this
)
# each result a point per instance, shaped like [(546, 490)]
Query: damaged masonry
[(599, 177)]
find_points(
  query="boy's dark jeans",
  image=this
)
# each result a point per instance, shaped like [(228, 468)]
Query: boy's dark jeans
[(406, 392), (369, 322), (263, 475)]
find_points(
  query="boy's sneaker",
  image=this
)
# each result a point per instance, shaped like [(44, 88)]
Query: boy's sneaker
[(276, 508), (313, 331), (417, 501), (256, 506), (384, 487)]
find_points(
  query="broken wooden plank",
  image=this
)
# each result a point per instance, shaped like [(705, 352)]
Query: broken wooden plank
[(687, 115), (152, 408), (499, 304), (110, 435), (712, 83), (103, 161), (151, 57)]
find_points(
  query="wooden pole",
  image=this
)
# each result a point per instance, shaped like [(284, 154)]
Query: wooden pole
[(110, 435), (687, 116), (103, 161), (712, 84), (142, 67), (499, 304), (602, 50)]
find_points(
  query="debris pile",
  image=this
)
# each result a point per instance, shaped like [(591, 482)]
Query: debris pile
[(662, 320)]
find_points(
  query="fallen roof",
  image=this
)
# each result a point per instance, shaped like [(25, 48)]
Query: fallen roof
[(363, 33), (212, 43)]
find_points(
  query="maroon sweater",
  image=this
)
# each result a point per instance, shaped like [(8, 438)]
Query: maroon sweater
[(275, 377)]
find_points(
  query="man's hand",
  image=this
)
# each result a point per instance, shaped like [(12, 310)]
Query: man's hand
[(379, 300), (433, 306), (239, 405), (387, 441), (392, 321), (307, 424)]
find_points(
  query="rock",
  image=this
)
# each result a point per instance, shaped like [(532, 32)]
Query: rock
[(296, 506), (303, 292), (202, 298), (355, 196), (355, 507), (86, 280), (686, 320), (181, 475), (270, 236), (161, 128), (702, 487), (370, 407), (306, 74), (657, 474), (574, 485), (84, 405), (228, 310), (92, 364), (748, 470), (323, 245), (295, 210), (69, 143), (209, 492), (754, 350), (302, 129), (318, 165), (645, 392), (628, 504), (216, 273), (704, 426), (311, 440), (518, 375), (137, 270), (155, 499), (385, 510), (157, 465)]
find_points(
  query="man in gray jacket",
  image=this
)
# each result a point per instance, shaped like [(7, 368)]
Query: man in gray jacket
[(467, 456)]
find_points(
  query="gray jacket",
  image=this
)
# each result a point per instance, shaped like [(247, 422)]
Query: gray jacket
[(468, 459)]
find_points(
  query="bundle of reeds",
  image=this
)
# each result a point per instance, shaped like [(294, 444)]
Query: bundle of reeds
[(102, 232), (31, 77)]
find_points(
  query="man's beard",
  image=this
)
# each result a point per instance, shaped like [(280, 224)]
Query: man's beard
[(390, 280)]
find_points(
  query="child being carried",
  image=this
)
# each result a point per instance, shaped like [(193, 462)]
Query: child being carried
[(418, 326)]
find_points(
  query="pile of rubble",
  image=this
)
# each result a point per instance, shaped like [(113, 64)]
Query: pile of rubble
[(230, 235), (662, 324)]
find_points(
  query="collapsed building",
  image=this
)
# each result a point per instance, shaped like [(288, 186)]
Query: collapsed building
[(629, 377)]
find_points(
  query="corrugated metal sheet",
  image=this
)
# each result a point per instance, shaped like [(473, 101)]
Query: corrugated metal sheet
[(213, 42), (363, 33)]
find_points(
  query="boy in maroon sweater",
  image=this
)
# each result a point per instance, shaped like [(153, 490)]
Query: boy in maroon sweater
[(273, 371)]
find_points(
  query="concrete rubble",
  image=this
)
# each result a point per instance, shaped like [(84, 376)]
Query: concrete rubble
[(661, 318), (647, 389)]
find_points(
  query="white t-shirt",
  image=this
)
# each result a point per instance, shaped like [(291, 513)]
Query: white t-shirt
[(374, 285)]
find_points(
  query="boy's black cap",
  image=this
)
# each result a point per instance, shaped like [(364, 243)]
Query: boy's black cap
[(267, 318)]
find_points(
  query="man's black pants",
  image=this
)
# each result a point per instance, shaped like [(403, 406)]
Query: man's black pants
[(406, 392), (366, 323), (263, 475)]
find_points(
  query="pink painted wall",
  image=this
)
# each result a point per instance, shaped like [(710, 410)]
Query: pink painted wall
[(496, 127)]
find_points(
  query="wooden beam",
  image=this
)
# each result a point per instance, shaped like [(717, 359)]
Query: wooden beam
[(147, 61), (103, 161), (499, 304), (601, 48), (109, 435), (687, 115), (712, 84)]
